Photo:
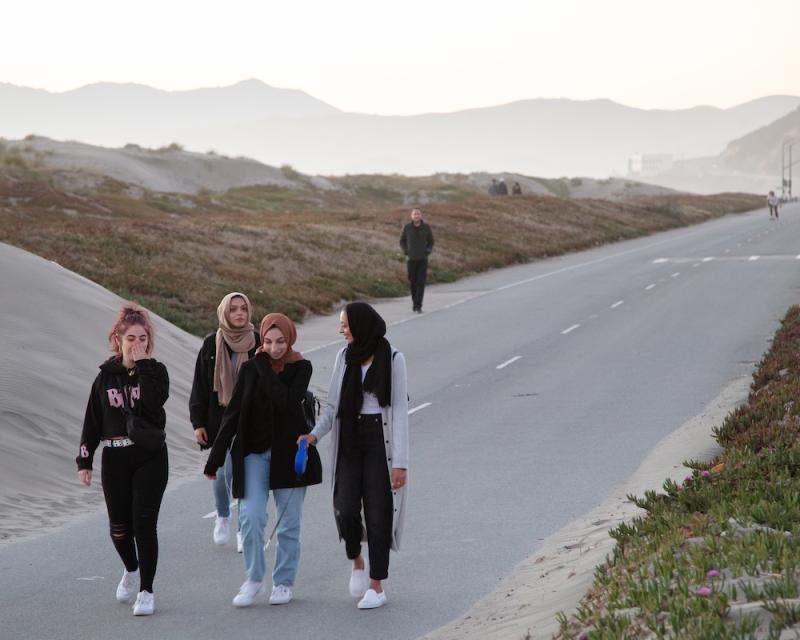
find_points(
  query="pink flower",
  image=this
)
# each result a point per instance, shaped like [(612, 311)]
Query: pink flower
[(703, 592), (706, 473), (712, 573), (687, 479), (583, 636)]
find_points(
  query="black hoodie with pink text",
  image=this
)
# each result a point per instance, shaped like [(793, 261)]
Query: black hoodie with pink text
[(145, 389)]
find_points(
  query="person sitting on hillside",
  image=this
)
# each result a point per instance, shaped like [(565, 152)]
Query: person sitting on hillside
[(502, 189), (493, 187), (516, 189), (772, 203)]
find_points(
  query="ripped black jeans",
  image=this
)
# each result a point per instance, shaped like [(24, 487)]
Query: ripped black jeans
[(133, 484)]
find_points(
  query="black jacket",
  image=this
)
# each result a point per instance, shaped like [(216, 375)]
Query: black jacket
[(204, 408), (147, 389), (263, 397), (416, 242)]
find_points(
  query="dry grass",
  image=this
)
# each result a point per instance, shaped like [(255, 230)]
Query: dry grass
[(304, 250)]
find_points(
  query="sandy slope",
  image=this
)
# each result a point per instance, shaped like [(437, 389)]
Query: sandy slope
[(171, 171), (52, 334)]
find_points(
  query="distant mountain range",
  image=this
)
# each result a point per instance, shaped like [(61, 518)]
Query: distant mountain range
[(548, 138)]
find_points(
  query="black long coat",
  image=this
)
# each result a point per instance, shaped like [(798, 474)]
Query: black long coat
[(204, 407), (262, 397)]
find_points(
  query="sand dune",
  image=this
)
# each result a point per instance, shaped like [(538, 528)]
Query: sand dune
[(52, 336), (172, 171)]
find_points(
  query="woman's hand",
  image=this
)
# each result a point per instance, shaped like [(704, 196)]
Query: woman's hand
[(211, 477), (138, 352), (85, 476), (312, 440), (201, 435), (398, 478)]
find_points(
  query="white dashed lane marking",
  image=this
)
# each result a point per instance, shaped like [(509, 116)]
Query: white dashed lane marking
[(570, 329), (503, 365), (422, 406), (619, 302)]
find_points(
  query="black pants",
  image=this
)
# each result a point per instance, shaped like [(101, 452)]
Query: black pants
[(133, 484), (417, 274), (773, 209), (362, 475)]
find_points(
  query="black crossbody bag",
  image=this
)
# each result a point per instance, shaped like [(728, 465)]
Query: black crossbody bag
[(143, 433)]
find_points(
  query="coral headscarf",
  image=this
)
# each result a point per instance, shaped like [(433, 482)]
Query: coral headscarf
[(240, 341), (289, 332)]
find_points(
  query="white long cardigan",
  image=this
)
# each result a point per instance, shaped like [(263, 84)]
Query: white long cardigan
[(395, 430)]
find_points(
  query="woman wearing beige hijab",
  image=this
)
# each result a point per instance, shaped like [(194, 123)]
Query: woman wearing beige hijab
[(218, 364)]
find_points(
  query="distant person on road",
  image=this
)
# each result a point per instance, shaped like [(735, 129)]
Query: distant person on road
[(261, 426), (367, 414), (516, 190), (218, 364), (772, 203), (134, 473), (416, 241)]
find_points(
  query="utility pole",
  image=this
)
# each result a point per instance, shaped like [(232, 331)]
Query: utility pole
[(786, 168)]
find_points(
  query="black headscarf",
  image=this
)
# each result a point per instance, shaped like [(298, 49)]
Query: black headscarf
[(368, 330)]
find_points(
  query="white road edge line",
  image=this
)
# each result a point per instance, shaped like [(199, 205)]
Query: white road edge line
[(570, 329), (660, 260), (649, 286), (422, 406), (616, 304), (753, 258), (707, 259), (503, 365)]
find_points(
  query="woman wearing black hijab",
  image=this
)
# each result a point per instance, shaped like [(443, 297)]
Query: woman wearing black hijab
[(367, 414)]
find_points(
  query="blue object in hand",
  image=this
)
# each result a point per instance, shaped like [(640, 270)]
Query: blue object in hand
[(301, 458)]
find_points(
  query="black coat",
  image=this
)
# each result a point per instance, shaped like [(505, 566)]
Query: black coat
[(204, 407), (262, 397)]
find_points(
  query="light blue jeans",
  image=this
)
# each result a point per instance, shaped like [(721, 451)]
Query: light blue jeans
[(253, 520), (222, 488)]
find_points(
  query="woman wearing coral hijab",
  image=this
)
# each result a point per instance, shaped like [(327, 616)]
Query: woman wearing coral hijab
[(218, 364), (266, 417), (367, 414)]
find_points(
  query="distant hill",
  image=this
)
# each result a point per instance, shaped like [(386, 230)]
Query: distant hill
[(549, 138), (759, 152), (750, 164), (99, 111)]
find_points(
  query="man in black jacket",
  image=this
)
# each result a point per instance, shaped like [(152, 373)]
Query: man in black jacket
[(416, 240)]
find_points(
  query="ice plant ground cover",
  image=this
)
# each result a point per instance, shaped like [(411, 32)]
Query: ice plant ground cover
[(718, 555)]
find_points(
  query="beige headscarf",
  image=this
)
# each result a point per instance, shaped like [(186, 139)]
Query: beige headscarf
[(240, 341)]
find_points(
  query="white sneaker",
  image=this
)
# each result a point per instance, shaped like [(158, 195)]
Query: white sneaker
[(281, 594), (247, 593), (239, 543), (127, 586), (359, 581), (222, 531), (145, 604), (372, 599)]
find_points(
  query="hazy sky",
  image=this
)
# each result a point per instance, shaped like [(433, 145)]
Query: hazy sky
[(416, 56)]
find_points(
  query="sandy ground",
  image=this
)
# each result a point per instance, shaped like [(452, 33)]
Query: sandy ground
[(53, 336), (556, 577)]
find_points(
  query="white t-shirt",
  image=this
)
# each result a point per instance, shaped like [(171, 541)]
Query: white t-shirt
[(370, 406)]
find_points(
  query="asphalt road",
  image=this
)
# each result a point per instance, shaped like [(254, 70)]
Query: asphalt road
[(537, 395)]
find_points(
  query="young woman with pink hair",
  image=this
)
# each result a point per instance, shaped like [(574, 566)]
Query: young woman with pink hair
[(133, 475)]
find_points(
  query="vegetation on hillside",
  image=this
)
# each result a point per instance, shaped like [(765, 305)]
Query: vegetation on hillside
[(303, 249)]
